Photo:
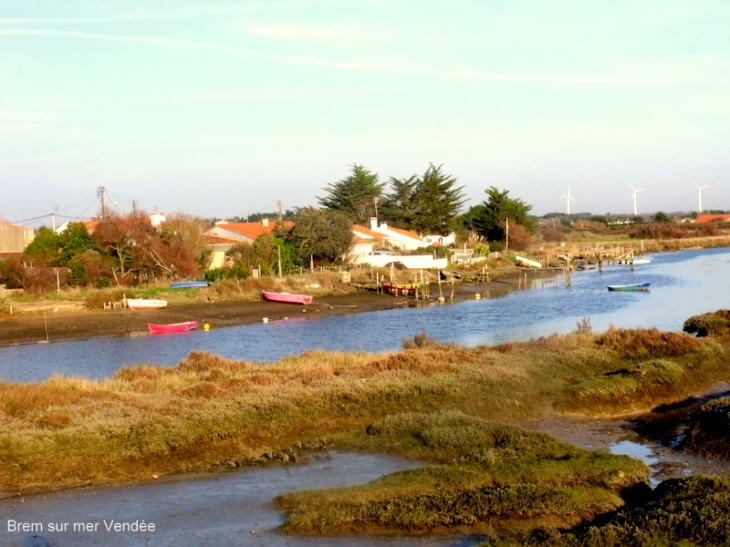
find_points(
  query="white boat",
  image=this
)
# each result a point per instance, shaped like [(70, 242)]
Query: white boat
[(145, 303), (526, 262), (638, 261)]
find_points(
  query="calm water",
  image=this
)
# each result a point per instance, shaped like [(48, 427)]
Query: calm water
[(682, 284), (220, 509)]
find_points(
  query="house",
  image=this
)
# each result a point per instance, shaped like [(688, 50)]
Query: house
[(711, 218), (397, 238), (436, 240), (218, 247), (246, 232), (14, 238), (225, 235), (90, 225)]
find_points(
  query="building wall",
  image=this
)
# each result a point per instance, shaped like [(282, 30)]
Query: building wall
[(414, 262), (14, 239)]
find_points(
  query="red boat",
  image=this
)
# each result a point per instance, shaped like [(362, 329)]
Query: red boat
[(171, 327), (287, 298)]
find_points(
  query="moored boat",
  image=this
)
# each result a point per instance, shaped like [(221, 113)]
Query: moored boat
[(527, 262), (633, 287), (164, 328), (145, 303), (189, 285), (287, 298), (400, 288)]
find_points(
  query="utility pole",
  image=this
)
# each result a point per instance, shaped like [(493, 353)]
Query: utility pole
[(506, 234), (278, 202), (102, 197), (53, 221)]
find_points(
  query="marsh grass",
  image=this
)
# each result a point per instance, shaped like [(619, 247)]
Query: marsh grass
[(484, 472), (209, 410), (709, 433), (681, 512)]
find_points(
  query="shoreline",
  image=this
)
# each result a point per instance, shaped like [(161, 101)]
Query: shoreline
[(73, 323)]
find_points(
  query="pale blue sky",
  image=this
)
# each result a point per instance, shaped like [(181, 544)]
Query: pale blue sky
[(223, 108)]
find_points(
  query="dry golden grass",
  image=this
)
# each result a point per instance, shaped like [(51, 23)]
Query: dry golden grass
[(209, 410)]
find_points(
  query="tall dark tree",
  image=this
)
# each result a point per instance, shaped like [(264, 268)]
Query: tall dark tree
[(489, 218), (355, 196), (399, 208), (428, 204), (321, 234), (437, 201)]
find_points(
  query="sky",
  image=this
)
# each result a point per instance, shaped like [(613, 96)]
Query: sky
[(223, 108)]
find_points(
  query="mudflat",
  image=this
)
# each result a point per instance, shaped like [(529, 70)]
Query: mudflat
[(31, 323)]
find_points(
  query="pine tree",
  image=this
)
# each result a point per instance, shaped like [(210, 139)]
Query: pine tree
[(355, 196)]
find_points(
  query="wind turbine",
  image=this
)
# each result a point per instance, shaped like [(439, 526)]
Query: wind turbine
[(568, 197), (636, 191), (699, 195)]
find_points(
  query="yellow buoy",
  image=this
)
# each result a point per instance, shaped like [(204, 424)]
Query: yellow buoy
[(206, 326)]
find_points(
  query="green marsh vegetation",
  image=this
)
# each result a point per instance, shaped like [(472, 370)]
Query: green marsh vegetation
[(484, 474), (687, 512), (454, 408)]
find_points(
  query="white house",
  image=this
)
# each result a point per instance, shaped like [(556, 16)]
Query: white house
[(397, 238)]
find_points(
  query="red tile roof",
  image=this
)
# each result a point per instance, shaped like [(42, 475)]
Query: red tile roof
[(252, 229), (710, 218), (366, 231)]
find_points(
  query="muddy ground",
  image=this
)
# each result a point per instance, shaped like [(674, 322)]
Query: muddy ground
[(31, 323)]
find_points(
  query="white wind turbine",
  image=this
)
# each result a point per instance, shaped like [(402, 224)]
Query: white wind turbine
[(699, 195), (568, 197), (636, 191)]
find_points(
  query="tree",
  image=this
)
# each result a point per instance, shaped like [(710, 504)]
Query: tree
[(73, 240), (190, 232), (321, 234), (90, 267), (489, 218), (355, 196), (661, 216), (437, 202), (398, 208), (125, 239), (45, 246), (428, 204)]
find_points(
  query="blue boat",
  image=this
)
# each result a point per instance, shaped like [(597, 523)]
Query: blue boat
[(189, 285), (634, 287)]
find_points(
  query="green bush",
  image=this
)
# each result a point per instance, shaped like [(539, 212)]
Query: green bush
[(708, 324)]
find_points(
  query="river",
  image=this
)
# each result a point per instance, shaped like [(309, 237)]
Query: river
[(683, 283), (235, 508)]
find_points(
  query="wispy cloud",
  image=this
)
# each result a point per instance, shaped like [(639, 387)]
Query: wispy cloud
[(160, 14), (383, 67), (336, 34), (152, 40)]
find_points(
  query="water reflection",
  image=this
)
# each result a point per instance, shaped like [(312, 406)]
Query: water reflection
[(682, 284), (640, 452)]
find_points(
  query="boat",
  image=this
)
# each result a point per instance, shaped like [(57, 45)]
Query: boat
[(165, 328), (287, 298), (633, 287), (400, 288), (145, 303), (189, 285), (638, 261), (526, 262)]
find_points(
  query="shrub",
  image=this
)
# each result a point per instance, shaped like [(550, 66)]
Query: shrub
[(708, 324)]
